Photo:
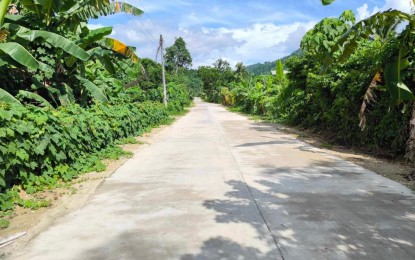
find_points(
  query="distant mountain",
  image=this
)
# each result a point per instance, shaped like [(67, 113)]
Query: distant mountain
[(266, 68)]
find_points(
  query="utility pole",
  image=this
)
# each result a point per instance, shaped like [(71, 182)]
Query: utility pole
[(161, 50)]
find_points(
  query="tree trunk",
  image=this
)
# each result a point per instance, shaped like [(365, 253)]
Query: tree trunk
[(410, 145)]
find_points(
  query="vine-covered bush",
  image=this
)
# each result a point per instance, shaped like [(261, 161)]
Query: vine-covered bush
[(39, 145), (178, 97), (330, 102)]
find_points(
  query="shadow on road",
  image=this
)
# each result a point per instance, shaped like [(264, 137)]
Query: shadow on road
[(308, 220), (220, 248)]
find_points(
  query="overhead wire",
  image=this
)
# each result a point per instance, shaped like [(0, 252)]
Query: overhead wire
[(146, 33), (155, 39), (148, 15)]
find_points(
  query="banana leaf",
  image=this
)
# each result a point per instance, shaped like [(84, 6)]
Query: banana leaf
[(4, 7), (33, 96), (56, 41), (94, 90), (95, 35), (6, 97), (19, 54)]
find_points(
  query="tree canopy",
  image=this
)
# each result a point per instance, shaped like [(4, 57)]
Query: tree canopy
[(178, 56)]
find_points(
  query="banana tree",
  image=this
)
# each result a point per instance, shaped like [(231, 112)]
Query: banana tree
[(14, 40), (12, 50), (68, 17), (398, 53)]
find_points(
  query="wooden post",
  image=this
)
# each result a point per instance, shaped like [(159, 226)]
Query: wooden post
[(163, 72)]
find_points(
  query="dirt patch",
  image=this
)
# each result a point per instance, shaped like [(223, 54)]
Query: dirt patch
[(394, 169), (65, 200)]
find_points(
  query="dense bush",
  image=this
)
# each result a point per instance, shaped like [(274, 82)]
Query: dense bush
[(355, 98), (178, 97), (38, 145), (70, 94), (330, 103)]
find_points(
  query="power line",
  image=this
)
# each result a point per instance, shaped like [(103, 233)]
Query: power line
[(150, 18), (141, 27)]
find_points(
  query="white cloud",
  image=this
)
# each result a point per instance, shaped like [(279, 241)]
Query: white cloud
[(258, 42), (402, 5), (363, 12), (267, 41)]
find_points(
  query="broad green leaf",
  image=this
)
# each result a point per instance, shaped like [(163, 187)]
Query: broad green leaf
[(30, 95), (404, 93), (19, 54), (106, 61), (22, 154), (95, 91), (85, 10), (4, 7), (65, 95), (364, 30), (45, 67), (327, 2), (7, 98), (56, 41), (40, 149), (95, 35), (348, 50), (392, 72)]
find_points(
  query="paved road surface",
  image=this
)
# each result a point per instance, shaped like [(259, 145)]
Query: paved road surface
[(216, 185)]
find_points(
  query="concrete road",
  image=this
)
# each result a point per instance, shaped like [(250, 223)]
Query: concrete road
[(216, 185)]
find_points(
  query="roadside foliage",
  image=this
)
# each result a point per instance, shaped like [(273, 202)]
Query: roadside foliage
[(69, 94), (352, 81)]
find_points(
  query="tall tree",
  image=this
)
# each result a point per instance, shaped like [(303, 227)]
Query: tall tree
[(178, 56), (240, 71), (222, 65)]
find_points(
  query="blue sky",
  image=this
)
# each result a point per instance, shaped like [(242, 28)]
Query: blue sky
[(236, 30)]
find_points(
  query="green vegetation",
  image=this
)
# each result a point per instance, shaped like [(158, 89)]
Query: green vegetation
[(352, 82), (70, 95), (44, 143), (177, 56), (265, 68)]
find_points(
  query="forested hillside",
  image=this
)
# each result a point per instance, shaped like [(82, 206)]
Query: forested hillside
[(266, 68)]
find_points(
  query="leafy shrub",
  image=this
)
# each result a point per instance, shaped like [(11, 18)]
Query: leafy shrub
[(178, 98), (39, 146)]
